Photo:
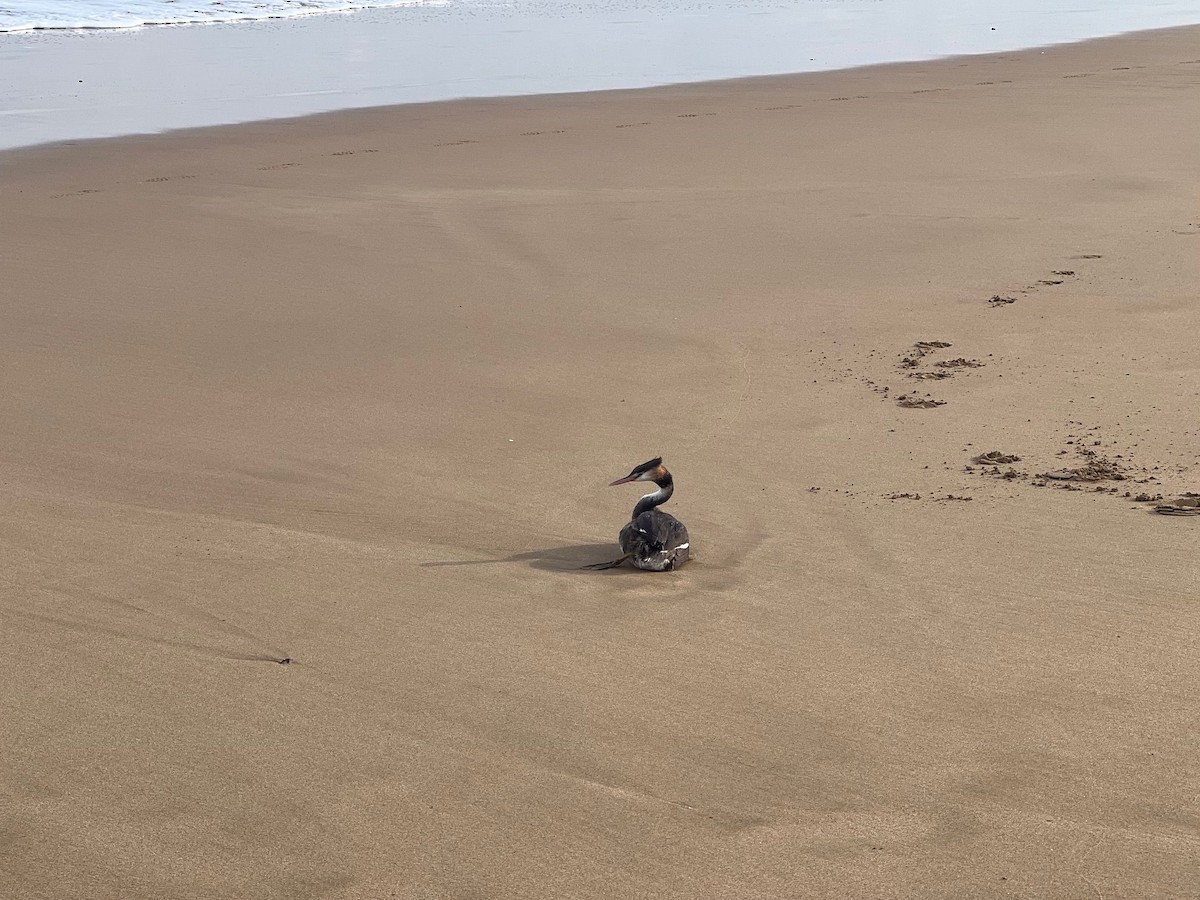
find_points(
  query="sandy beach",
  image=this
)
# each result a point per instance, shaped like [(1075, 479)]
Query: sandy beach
[(347, 391)]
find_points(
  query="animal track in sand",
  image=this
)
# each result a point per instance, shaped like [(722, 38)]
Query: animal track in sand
[(534, 133), (159, 178), (455, 143), (912, 401), (76, 193), (930, 90), (351, 152), (633, 125), (277, 166), (694, 115)]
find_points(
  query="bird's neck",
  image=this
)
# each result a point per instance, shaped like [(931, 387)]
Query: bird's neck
[(666, 488)]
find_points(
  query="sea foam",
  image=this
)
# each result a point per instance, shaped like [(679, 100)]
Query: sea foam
[(55, 15)]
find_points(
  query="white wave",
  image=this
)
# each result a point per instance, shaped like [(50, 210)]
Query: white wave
[(57, 15)]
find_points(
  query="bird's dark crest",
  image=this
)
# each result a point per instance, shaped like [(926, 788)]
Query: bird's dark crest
[(646, 466)]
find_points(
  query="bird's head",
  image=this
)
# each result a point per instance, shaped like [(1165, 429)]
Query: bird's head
[(653, 470)]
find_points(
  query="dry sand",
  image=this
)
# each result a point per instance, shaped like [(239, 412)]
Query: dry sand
[(348, 391)]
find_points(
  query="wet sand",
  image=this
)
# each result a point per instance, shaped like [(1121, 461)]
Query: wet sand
[(346, 392)]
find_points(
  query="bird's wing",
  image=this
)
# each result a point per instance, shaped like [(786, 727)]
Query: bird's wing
[(660, 531)]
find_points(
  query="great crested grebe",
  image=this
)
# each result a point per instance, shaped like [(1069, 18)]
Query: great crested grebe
[(653, 540)]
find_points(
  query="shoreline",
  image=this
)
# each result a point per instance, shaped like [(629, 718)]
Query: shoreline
[(747, 82), (396, 56), (347, 391)]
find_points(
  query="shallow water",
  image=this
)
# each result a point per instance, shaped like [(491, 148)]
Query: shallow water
[(61, 85)]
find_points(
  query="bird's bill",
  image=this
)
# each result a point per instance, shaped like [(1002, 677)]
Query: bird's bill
[(625, 480)]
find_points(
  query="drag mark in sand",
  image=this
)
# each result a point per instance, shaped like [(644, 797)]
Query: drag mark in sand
[(76, 193)]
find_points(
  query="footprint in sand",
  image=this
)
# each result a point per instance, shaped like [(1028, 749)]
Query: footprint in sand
[(1187, 505), (1097, 468), (277, 166), (633, 125), (351, 152), (1087, 256), (75, 193), (996, 458), (454, 143), (168, 178), (909, 401), (920, 350), (998, 300)]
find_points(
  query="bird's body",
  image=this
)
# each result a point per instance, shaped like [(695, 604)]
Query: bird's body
[(652, 540), (655, 541)]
